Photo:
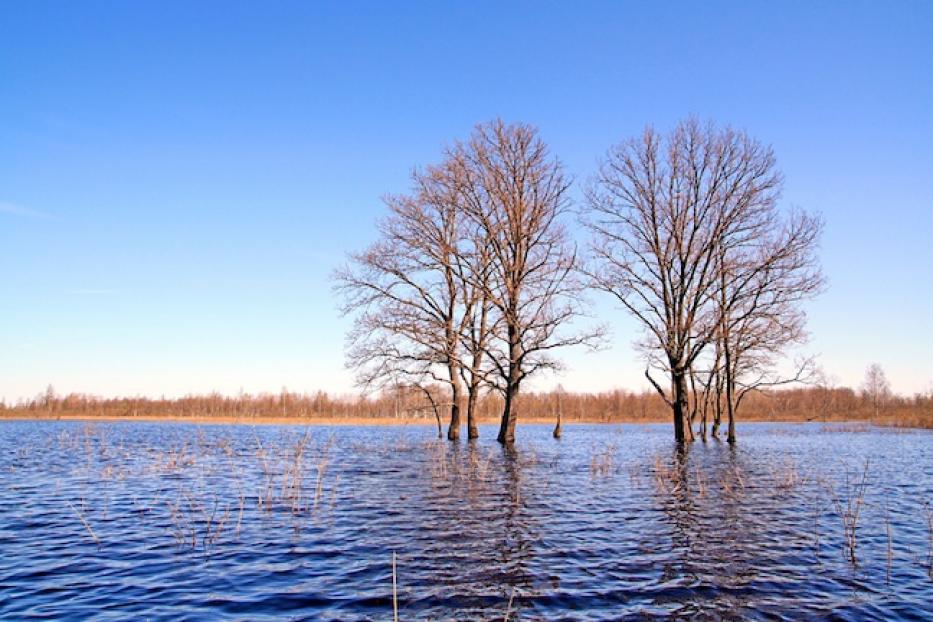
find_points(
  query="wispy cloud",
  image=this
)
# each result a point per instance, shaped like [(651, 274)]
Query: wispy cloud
[(19, 210)]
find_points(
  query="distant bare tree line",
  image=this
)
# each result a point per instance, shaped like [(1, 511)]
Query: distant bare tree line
[(475, 279), (809, 403)]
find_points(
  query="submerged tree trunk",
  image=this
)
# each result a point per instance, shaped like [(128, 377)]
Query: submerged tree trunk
[(730, 387), (557, 430), (480, 337), (509, 416), (717, 413), (679, 404), (695, 409), (472, 397), (509, 412), (453, 432), (510, 409), (730, 405)]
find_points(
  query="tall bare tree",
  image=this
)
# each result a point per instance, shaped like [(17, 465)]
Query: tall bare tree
[(517, 195), (766, 269), (406, 290), (687, 237)]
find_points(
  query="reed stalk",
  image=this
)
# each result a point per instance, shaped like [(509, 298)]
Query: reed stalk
[(508, 609), (85, 523)]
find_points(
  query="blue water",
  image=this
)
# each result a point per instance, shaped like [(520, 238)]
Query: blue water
[(165, 521)]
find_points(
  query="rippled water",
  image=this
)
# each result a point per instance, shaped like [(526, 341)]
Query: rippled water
[(170, 521)]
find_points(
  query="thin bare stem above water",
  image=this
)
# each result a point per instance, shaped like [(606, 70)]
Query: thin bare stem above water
[(849, 510), (85, 523)]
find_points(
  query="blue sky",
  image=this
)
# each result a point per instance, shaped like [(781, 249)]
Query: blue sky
[(178, 180)]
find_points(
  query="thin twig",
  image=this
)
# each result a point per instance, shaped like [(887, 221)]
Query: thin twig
[(85, 523), (508, 610)]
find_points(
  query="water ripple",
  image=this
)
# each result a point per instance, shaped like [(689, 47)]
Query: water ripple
[(168, 521)]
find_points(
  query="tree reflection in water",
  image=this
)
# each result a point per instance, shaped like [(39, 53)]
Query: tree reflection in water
[(481, 537), (731, 531)]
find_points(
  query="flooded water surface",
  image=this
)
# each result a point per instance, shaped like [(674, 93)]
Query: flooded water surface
[(165, 521)]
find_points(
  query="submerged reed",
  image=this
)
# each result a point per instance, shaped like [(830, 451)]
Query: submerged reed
[(602, 462), (508, 609), (849, 509), (86, 524)]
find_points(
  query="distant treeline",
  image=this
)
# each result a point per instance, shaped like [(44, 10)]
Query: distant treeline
[(800, 404)]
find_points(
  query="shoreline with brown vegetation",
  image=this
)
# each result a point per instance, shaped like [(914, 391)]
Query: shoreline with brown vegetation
[(410, 407), (295, 420), (905, 420)]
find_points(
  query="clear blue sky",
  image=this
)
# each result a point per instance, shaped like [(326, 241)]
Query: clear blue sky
[(178, 179)]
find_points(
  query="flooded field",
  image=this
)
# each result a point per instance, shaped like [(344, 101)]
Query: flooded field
[(169, 521)]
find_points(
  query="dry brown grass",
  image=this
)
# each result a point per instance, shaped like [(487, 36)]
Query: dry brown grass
[(231, 419), (316, 420), (602, 461), (856, 421), (786, 476), (812, 403), (849, 505)]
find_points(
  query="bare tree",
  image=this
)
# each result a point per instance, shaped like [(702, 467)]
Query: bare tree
[(471, 270), (478, 325), (433, 404), (406, 291), (516, 194), (876, 388), (688, 239), (49, 397), (766, 269)]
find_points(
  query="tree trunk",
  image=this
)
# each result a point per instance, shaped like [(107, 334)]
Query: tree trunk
[(730, 396), (472, 396), (717, 413), (679, 381), (473, 387), (690, 412), (453, 432), (730, 410), (557, 430), (509, 416), (509, 413)]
